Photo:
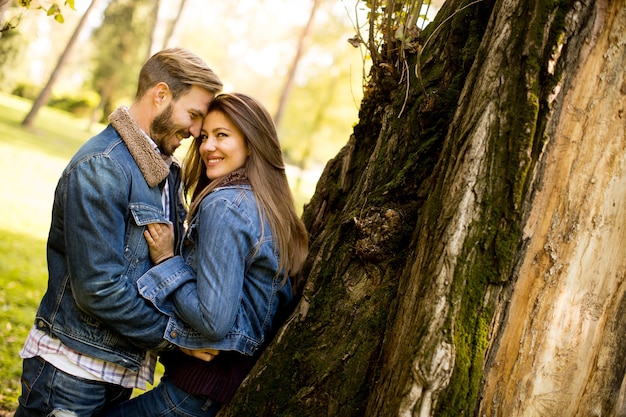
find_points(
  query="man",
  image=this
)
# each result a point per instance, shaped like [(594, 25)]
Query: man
[(94, 338)]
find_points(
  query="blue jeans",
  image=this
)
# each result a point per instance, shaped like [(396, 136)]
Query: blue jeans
[(47, 391), (166, 400)]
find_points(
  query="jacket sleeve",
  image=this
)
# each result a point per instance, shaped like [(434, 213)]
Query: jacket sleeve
[(96, 219), (209, 299), (225, 242)]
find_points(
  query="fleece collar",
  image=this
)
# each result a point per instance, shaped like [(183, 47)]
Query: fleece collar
[(149, 161)]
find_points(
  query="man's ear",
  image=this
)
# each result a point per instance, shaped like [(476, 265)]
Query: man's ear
[(161, 93)]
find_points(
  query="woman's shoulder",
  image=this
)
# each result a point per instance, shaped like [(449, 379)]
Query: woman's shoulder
[(238, 195), (226, 204)]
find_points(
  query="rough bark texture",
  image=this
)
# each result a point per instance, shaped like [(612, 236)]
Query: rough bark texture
[(466, 245), (562, 346)]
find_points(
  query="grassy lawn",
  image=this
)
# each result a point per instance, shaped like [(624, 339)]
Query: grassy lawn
[(32, 161)]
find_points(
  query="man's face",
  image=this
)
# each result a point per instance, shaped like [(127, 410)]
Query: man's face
[(180, 119)]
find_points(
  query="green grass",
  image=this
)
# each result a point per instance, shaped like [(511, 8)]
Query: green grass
[(32, 161)]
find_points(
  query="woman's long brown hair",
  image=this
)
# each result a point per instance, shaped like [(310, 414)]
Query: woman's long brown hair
[(266, 172)]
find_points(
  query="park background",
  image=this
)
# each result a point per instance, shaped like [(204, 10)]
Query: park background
[(294, 55)]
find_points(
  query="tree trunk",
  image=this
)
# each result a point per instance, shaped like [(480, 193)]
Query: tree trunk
[(291, 74), (44, 95), (466, 244), (172, 23), (153, 47), (4, 6)]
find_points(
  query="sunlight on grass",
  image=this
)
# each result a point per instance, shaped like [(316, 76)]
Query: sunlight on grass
[(22, 271)]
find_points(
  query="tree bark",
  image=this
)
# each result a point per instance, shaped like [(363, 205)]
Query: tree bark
[(562, 346), (466, 244)]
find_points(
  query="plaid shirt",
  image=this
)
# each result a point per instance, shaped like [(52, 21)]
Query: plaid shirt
[(38, 343)]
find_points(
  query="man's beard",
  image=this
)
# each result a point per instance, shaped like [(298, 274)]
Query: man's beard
[(163, 127)]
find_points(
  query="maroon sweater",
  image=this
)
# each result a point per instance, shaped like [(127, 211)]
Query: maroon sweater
[(218, 379)]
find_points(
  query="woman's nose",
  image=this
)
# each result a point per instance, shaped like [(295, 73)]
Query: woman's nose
[(208, 144)]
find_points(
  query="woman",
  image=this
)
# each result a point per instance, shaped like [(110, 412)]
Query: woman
[(230, 289)]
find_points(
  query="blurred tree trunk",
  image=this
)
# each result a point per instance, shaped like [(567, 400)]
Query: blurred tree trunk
[(173, 23), (293, 67), (44, 96), (467, 252), (154, 27), (4, 6), (119, 54), (163, 27)]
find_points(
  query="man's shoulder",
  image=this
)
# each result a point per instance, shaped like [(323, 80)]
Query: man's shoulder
[(101, 142), (106, 145)]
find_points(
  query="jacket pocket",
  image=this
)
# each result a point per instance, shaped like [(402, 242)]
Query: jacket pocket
[(145, 214), (135, 246)]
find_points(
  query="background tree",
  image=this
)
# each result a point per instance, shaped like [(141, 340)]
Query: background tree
[(119, 54), (45, 93), (9, 41), (467, 251), (171, 24), (166, 17), (293, 67), (4, 6), (322, 101)]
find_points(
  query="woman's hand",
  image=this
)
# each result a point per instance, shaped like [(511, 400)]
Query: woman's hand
[(206, 355), (160, 238)]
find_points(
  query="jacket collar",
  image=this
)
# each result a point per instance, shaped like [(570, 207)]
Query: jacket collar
[(149, 161)]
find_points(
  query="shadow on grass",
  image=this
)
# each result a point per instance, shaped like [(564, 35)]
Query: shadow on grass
[(23, 280)]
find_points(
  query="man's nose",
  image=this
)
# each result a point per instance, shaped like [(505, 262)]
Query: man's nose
[(195, 128)]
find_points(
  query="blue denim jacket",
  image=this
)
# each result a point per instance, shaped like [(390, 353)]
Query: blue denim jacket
[(225, 286), (96, 249)]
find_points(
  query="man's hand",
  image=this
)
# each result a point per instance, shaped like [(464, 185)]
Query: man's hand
[(206, 355)]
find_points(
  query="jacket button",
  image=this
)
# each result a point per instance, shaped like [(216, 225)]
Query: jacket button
[(40, 323), (173, 335)]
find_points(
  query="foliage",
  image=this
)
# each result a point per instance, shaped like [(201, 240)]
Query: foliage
[(81, 103), (245, 58), (9, 54), (390, 21), (51, 8)]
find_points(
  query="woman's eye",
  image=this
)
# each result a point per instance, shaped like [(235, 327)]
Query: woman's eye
[(202, 137)]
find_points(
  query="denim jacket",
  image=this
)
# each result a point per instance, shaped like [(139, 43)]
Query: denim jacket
[(224, 292), (96, 251)]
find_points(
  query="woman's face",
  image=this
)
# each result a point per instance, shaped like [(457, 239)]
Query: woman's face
[(223, 148)]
